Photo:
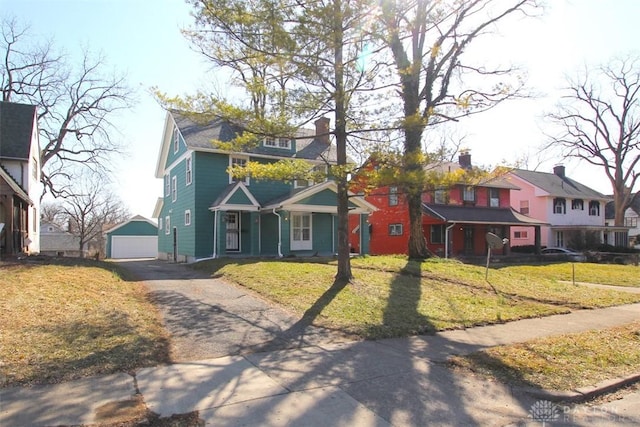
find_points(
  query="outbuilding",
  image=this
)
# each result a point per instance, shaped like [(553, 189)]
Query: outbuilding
[(135, 238)]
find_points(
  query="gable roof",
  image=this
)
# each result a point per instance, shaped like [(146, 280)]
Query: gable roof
[(16, 128), (558, 186), (299, 198), (132, 219), (198, 136), (473, 215), (236, 196)]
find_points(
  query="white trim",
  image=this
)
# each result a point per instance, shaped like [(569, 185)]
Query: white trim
[(188, 170), (176, 139), (174, 188), (167, 225), (301, 245), (187, 217), (177, 161)]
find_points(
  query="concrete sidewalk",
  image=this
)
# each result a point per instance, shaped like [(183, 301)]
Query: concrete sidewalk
[(400, 382)]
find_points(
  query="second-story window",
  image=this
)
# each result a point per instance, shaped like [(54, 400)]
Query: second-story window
[(469, 194), (393, 196), (494, 197), (440, 196), (235, 161), (189, 174), (174, 188), (524, 207), (594, 208), (559, 206), (167, 185), (577, 204)]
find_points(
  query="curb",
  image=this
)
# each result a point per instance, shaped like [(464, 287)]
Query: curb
[(581, 394)]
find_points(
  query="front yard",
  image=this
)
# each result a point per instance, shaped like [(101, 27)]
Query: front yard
[(75, 319), (69, 320)]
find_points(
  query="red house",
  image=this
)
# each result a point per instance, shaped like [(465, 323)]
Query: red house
[(455, 220)]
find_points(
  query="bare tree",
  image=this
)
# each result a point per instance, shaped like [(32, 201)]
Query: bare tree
[(53, 213), (436, 84), (75, 105), (90, 209), (599, 122)]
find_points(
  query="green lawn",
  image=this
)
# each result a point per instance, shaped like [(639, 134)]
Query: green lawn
[(604, 274), (393, 297)]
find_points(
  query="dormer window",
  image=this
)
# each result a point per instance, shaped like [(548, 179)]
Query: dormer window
[(594, 208), (559, 206), (282, 143), (440, 196), (176, 139)]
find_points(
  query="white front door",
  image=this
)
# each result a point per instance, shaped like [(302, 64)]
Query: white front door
[(301, 232), (233, 231)]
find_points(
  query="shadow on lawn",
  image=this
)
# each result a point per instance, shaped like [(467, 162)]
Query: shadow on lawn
[(83, 348)]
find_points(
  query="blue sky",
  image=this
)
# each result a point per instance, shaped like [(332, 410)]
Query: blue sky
[(142, 39)]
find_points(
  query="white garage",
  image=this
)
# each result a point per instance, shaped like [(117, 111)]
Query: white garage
[(136, 238), (134, 246)]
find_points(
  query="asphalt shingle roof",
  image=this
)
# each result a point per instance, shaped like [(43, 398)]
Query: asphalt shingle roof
[(16, 124), (200, 135), (484, 215), (558, 186)]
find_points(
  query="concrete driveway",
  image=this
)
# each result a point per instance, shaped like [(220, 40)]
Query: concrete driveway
[(208, 317)]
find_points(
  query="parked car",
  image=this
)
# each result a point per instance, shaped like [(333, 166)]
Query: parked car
[(564, 254)]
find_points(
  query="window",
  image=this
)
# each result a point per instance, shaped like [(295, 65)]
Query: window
[(520, 234), (440, 196), (303, 183), (560, 239), (594, 208), (469, 194), (283, 143), (188, 170), (167, 185), (301, 231), (393, 196), (159, 223), (34, 170), (577, 205), (494, 198), (395, 229), (524, 207), (559, 206), (176, 139), (238, 162), (631, 222), (167, 224), (35, 223), (437, 234), (187, 217), (174, 188)]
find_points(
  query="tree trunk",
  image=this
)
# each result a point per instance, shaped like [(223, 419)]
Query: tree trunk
[(344, 256)]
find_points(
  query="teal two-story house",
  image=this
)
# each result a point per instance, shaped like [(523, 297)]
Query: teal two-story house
[(206, 213)]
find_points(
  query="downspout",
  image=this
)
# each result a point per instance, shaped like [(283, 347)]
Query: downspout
[(446, 239), (215, 232), (279, 232)]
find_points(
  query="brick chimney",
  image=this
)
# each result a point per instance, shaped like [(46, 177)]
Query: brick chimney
[(559, 170), (322, 129), (464, 159)]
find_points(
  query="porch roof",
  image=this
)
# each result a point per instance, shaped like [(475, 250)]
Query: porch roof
[(475, 215), (15, 187)]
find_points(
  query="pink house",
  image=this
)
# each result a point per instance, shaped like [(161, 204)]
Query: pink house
[(575, 212)]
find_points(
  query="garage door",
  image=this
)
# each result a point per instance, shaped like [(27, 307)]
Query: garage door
[(134, 246)]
